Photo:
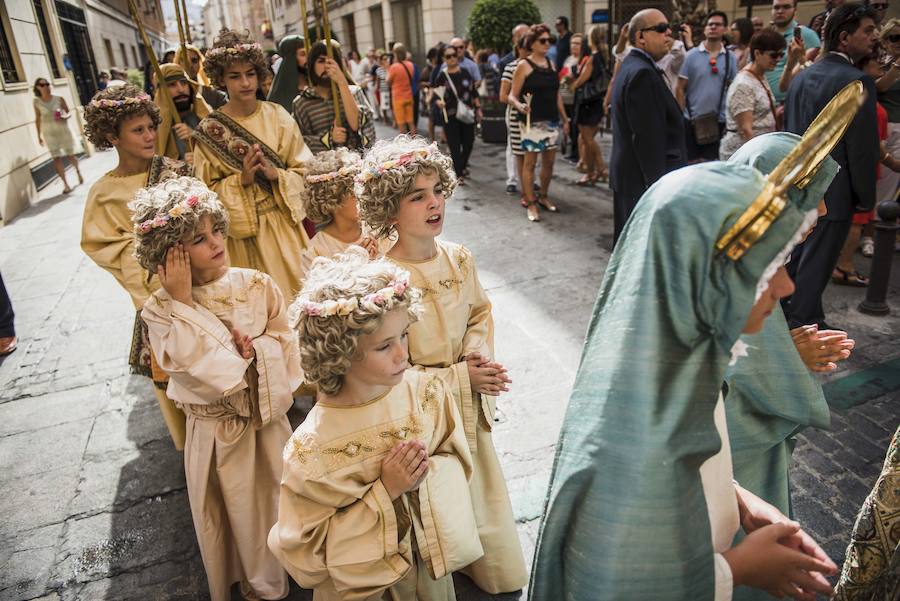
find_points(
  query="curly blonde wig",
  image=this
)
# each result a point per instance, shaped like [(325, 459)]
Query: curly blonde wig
[(231, 47), (380, 191), (168, 213), (329, 343), (329, 179), (109, 108)]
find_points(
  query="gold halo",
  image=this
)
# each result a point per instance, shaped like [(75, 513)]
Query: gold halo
[(796, 169)]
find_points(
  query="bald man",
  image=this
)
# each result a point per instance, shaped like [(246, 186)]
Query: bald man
[(648, 127)]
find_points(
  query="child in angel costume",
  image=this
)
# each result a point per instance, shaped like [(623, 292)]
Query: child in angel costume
[(330, 203), (370, 506), (402, 188), (221, 334), (250, 152), (125, 118), (642, 503)]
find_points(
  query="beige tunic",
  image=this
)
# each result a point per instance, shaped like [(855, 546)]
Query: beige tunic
[(456, 322), (338, 531), (324, 244), (236, 426), (266, 230)]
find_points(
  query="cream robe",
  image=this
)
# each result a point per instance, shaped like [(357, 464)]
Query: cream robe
[(456, 322), (236, 426), (338, 531), (324, 244), (107, 234), (266, 231)]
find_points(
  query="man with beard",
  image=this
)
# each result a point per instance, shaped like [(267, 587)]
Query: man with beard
[(213, 97), (172, 138)]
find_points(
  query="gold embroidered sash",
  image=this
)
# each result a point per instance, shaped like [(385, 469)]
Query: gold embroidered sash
[(231, 142)]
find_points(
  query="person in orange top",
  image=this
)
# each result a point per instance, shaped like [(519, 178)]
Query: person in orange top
[(400, 78)]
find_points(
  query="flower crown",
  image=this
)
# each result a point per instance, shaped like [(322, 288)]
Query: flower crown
[(404, 159), (107, 103), (326, 177), (232, 49), (163, 218), (346, 306)]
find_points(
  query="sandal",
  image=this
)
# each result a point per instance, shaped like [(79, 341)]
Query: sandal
[(534, 214), (849, 278), (603, 176), (587, 180), (67, 190), (80, 179), (546, 203)]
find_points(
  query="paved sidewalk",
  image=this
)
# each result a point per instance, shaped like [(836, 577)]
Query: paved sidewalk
[(93, 503)]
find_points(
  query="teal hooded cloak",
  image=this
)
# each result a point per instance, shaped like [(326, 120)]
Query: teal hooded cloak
[(771, 393), (625, 516), (284, 86)]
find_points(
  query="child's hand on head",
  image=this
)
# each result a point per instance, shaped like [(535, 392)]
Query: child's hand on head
[(244, 344), (175, 277), (404, 468)]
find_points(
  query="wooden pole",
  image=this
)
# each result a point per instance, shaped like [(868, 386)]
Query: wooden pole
[(160, 82), (304, 20), (329, 51), (182, 56), (187, 24)]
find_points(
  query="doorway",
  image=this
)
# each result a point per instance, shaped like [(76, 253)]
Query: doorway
[(78, 48)]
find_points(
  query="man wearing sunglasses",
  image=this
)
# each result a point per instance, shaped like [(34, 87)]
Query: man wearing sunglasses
[(459, 45), (783, 22), (849, 35), (648, 129), (705, 75)]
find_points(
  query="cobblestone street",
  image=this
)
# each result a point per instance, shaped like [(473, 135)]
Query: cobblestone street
[(93, 504)]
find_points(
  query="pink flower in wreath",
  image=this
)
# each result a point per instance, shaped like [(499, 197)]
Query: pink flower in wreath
[(192, 201), (404, 159), (311, 309)]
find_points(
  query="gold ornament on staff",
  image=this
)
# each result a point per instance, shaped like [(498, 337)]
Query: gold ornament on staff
[(329, 51), (187, 25), (182, 55), (304, 20), (796, 169), (160, 81)]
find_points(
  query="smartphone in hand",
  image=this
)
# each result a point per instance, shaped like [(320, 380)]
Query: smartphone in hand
[(798, 34)]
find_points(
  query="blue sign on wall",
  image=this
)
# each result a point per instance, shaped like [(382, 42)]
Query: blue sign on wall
[(601, 15)]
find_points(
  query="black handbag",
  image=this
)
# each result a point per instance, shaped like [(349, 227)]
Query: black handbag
[(595, 88)]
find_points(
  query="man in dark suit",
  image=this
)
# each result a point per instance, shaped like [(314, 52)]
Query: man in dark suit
[(648, 127), (849, 35)]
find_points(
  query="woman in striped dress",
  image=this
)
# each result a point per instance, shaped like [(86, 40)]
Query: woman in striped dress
[(513, 127)]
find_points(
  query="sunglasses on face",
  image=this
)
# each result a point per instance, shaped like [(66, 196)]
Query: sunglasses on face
[(658, 28), (43, 84), (894, 38), (449, 55), (776, 55), (543, 40), (459, 47)]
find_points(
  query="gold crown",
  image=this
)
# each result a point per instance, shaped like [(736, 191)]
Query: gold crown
[(796, 169)]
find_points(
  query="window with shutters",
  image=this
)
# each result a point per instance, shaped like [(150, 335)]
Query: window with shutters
[(48, 41), (10, 68)]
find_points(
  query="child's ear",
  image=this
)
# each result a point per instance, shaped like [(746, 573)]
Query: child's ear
[(112, 139)]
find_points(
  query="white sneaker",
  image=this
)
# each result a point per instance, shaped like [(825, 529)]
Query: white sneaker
[(867, 246)]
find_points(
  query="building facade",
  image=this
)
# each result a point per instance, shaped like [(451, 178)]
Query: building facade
[(66, 42), (249, 15)]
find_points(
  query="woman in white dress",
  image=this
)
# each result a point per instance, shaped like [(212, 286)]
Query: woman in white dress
[(51, 114)]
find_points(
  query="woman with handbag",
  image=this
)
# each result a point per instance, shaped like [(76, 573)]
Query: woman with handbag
[(749, 105), (460, 107), (535, 95), (590, 90)]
